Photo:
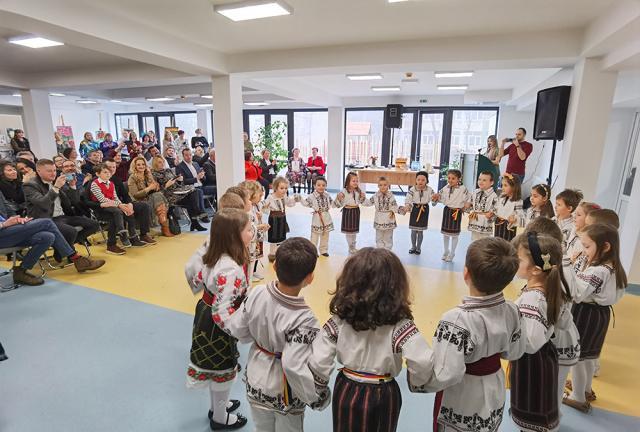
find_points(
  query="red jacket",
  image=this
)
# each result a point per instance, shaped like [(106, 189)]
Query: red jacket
[(251, 171), (317, 162)]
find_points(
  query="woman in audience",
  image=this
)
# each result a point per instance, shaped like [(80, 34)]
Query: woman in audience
[(180, 142), (296, 171), (60, 144), (134, 146), (176, 194), (11, 188), (26, 168), (269, 169), (153, 139), (19, 142), (167, 141), (251, 169), (143, 187), (315, 167), (87, 144), (109, 144), (200, 156), (170, 156)]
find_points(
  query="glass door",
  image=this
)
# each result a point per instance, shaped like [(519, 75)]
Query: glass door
[(430, 144)]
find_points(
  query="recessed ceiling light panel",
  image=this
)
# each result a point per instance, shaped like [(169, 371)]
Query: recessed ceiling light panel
[(249, 10), (206, 96), (364, 77), (160, 99), (453, 87), (86, 101), (57, 94), (34, 42), (453, 74), (256, 103), (385, 88)]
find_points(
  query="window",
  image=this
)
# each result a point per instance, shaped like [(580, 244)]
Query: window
[(256, 121), (402, 138), (363, 136), (469, 131), (188, 122), (125, 121), (310, 129)]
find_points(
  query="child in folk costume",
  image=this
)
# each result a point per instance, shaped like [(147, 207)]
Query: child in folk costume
[(255, 191), (221, 274), (508, 208), (597, 281), (281, 328), (454, 196), (384, 221), (276, 205), (370, 331), (417, 202), (566, 338), (534, 377), (350, 199), (483, 207), (540, 204), (567, 202), (471, 339), (321, 223), (574, 247)]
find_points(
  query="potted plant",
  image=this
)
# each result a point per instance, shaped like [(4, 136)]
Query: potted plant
[(272, 137)]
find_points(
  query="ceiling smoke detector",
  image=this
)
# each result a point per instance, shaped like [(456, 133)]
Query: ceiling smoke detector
[(409, 79)]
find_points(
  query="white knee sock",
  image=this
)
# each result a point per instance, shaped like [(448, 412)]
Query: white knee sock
[(219, 404), (590, 369), (563, 372), (579, 381), (454, 244), (446, 239)]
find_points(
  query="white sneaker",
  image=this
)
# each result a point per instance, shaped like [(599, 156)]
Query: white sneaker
[(445, 256), (450, 257)]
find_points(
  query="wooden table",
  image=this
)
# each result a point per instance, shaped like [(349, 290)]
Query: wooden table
[(394, 176)]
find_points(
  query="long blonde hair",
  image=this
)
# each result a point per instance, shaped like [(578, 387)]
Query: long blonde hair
[(146, 176)]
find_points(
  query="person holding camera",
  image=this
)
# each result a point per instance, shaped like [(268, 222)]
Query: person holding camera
[(58, 197), (518, 152)]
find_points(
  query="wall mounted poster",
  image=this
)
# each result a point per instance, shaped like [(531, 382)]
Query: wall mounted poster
[(99, 135), (174, 131), (67, 135)]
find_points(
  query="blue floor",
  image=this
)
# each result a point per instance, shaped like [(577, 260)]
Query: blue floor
[(84, 360)]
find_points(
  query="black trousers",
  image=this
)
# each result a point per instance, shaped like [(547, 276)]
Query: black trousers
[(265, 184), (117, 220), (67, 224)]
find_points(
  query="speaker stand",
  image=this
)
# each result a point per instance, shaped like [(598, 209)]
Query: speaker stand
[(391, 149), (553, 156)]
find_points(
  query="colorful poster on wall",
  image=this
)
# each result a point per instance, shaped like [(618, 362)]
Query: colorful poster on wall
[(67, 135), (99, 135), (174, 131)]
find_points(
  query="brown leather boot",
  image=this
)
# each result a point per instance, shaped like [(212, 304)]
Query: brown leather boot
[(83, 264), (161, 212), (23, 277)]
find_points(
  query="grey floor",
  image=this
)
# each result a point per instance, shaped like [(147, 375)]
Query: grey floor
[(83, 360)]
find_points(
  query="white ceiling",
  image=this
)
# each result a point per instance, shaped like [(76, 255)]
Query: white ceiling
[(340, 22)]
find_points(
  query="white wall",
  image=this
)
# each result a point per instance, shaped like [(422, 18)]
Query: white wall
[(615, 149), (82, 119)]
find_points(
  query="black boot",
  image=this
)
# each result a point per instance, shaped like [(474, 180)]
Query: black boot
[(195, 225)]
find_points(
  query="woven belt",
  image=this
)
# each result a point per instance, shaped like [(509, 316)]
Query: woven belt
[(285, 385), (484, 366), (365, 377)]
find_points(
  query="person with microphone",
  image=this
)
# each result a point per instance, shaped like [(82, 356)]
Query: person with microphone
[(518, 152)]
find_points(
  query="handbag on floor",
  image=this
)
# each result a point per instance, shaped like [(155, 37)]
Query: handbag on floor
[(174, 221)]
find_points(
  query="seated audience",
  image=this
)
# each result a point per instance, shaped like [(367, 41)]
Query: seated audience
[(53, 197), (296, 171), (120, 216), (122, 167), (193, 174), (251, 169), (183, 195), (167, 140), (143, 187), (108, 144), (19, 142), (153, 139), (209, 167), (93, 159), (26, 155), (26, 168), (200, 156), (57, 161), (69, 169), (316, 167), (11, 188), (37, 235), (180, 142), (170, 156), (135, 148)]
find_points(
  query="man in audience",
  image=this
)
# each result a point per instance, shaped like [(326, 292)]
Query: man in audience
[(209, 181), (199, 140), (93, 159), (69, 167), (192, 174), (122, 167), (518, 152), (141, 209), (37, 235), (26, 155), (58, 198)]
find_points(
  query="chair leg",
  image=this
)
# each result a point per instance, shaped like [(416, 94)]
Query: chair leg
[(12, 285)]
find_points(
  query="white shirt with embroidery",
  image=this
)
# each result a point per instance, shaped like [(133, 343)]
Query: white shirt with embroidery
[(386, 207), (320, 203)]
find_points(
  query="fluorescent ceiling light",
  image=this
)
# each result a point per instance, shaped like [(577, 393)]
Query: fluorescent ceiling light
[(57, 94), (203, 104), (453, 87), (385, 88), (206, 96), (364, 77), (256, 103), (16, 95), (397, 1), (34, 42), (248, 10), (453, 74), (160, 99), (86, 101), (115, 101)]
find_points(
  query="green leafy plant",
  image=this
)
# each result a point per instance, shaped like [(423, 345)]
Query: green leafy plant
[(272, 137), (444, 168)]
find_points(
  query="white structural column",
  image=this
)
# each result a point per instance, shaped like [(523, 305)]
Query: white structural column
[(630, 236), (37, 122), (201, 121), (587, 122), (227, 128), (335, 147)]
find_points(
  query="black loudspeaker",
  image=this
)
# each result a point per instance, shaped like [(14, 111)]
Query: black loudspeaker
[(551, 113), (393, 116)]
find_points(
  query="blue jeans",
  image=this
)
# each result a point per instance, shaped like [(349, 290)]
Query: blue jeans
[(40, 234)]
